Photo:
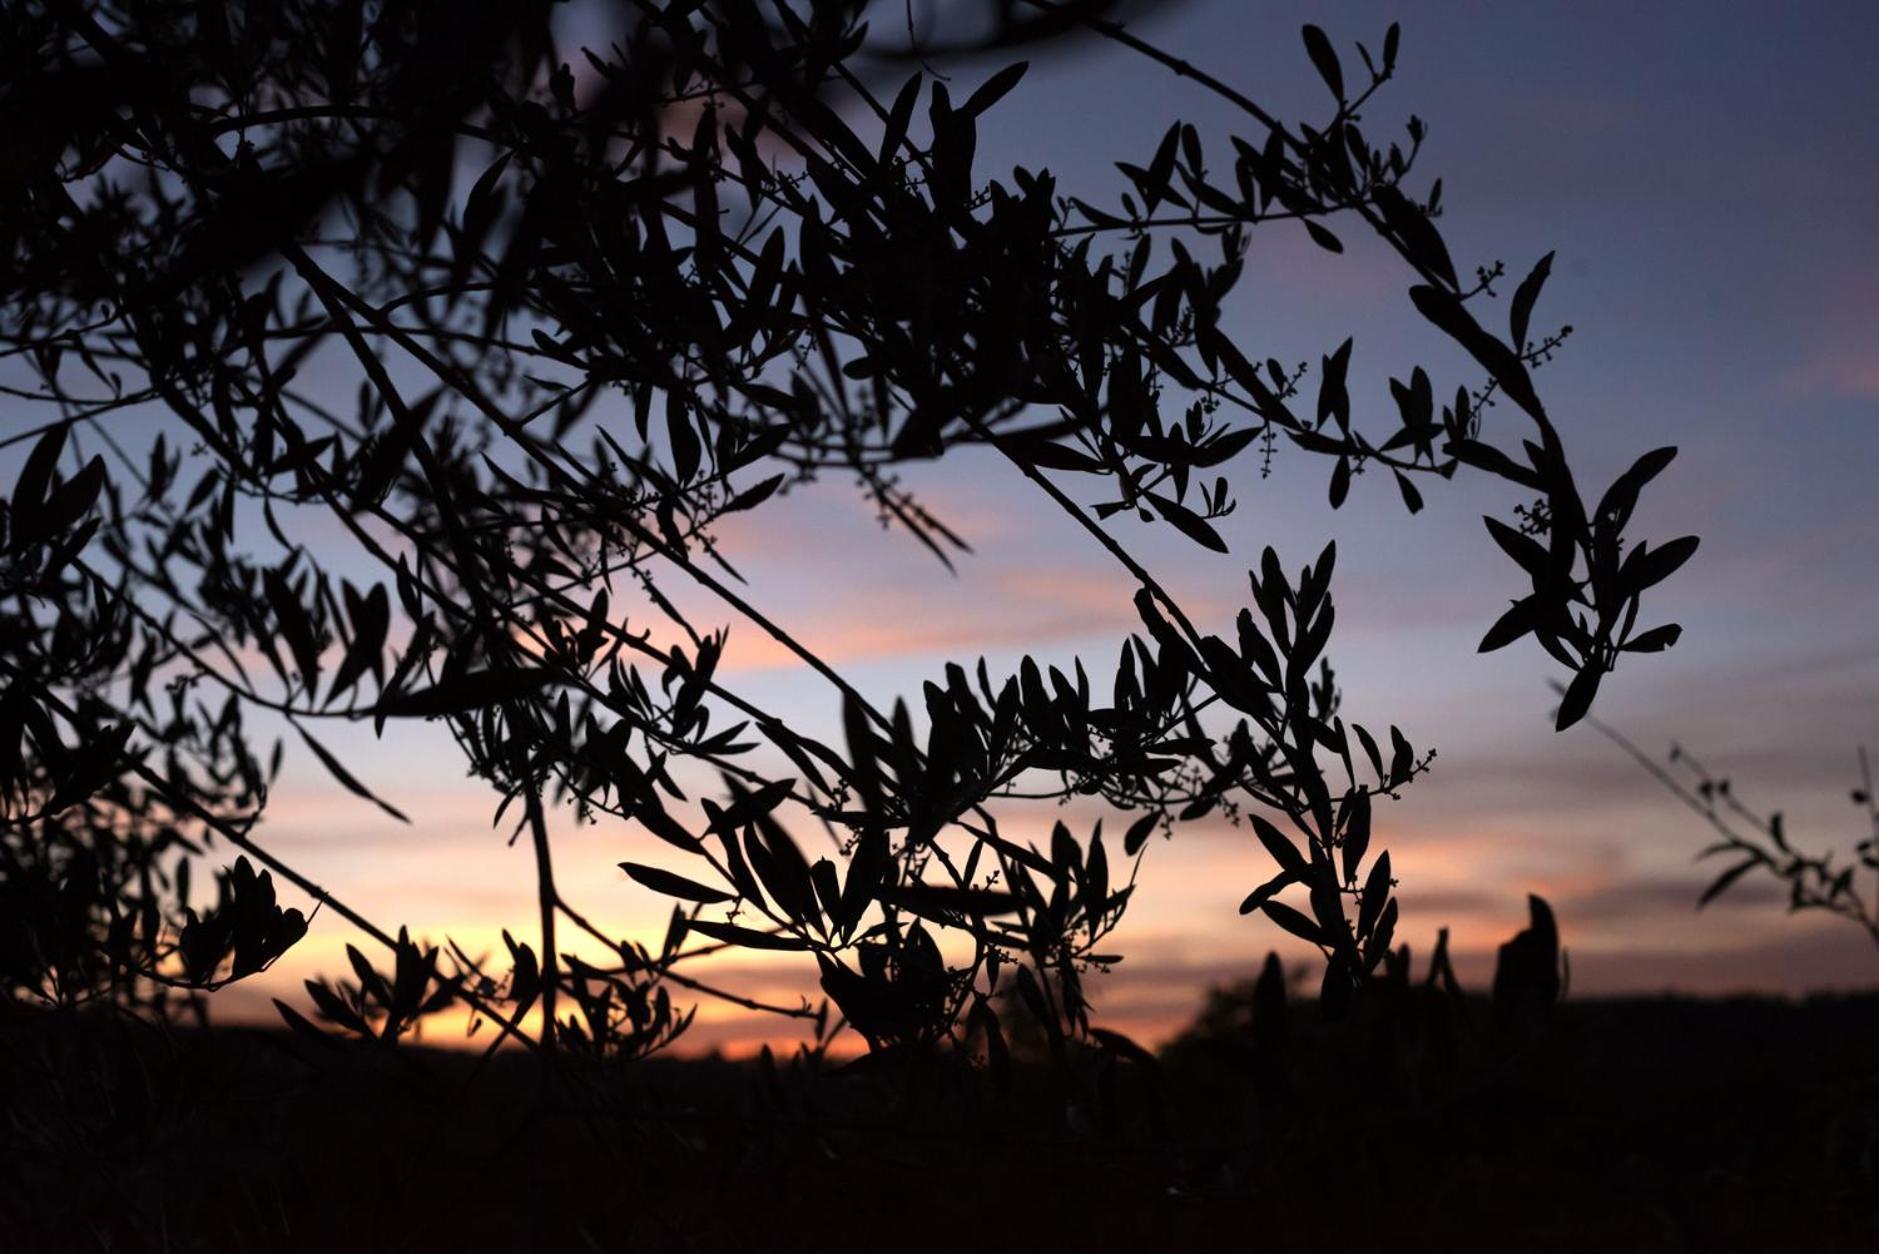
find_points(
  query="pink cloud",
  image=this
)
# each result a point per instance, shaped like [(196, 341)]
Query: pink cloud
[(1848, 372), (1841, 322)]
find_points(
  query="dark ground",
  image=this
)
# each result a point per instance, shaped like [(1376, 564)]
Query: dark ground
[(1650, 1125)]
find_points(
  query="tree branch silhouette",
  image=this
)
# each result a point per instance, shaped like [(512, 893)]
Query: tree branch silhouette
[(721, 263)]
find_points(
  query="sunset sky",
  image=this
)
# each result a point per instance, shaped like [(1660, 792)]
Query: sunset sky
[(1707, 181)]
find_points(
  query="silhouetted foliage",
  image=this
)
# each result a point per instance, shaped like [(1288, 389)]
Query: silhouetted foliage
[(1757, 844), (589, 304), (1406, 1039)]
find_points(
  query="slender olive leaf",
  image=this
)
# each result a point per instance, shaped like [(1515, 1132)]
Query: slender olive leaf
[(1224, 446), (1619, 499), (371, 621), (73, 499), (339, 772), (1096, 876), (1578, 696), (1483, 456), (994, 89), (1356, 834), (1259, 896), (1187, 522), (1138, 833), (1293, 921), (674, 885), (1521, 617), (1020, 854), (1527, 552), (653, 817), (861, 752), (1369, 744), (1334, 401), (1648, 565), (369, 978), (30, 489), (674, 933), (1096, 216), (750, 805), (1521, 311), (1065, 854), (1383, 933), (69, 548), (1052, 456), (1191, 148), (872, 860), (332, 1008), (754, 495), (687, 448), (781, 869), (1376, 892), (732, 934), (1257, 650), (898, 117), (1283, 851), (828, 886), (1324, 58), (1323, 238), (484, 188), (1402, 757), (1199, 808), (1154, 184), (1723, 881), (1656, 640), (1340, 482)]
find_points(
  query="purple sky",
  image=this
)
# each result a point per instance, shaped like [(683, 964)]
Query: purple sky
[(1707, 180)]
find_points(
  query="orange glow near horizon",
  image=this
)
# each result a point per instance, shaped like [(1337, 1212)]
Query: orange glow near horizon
[(1171, 960)]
